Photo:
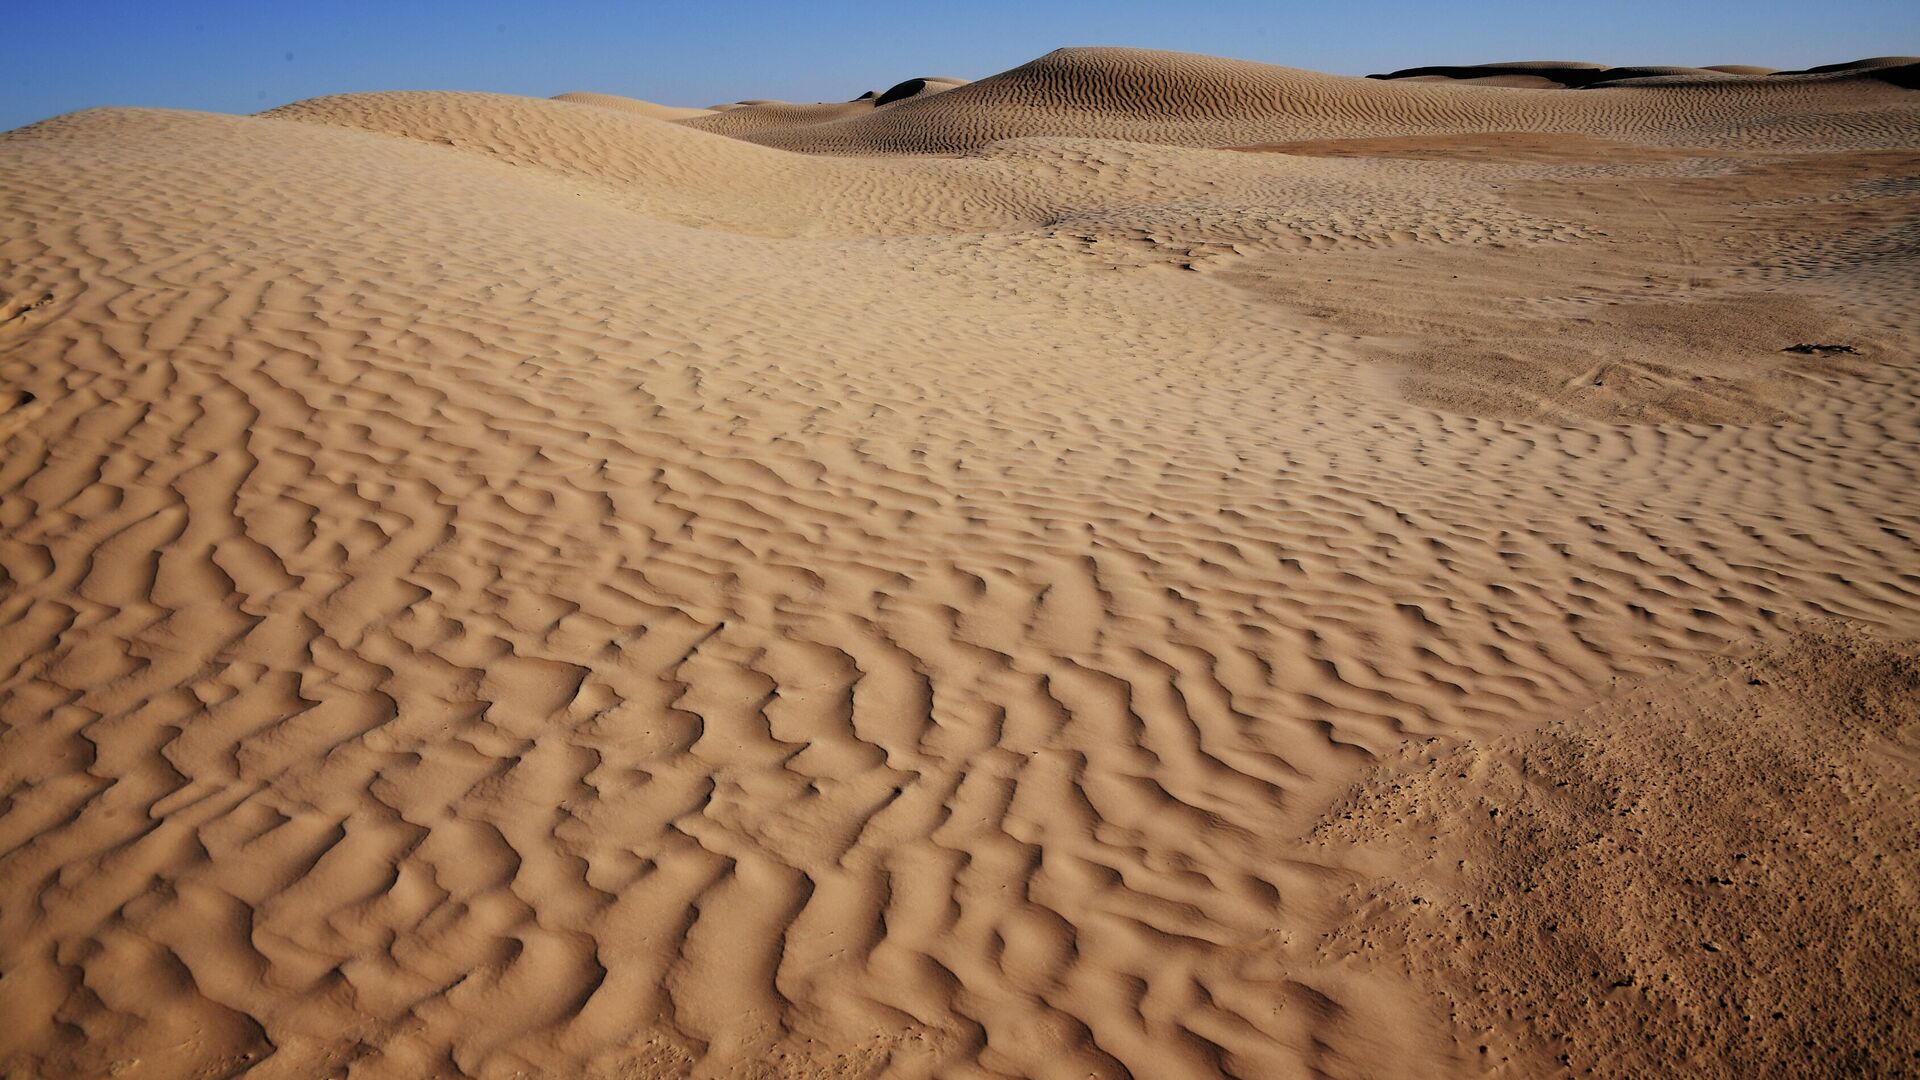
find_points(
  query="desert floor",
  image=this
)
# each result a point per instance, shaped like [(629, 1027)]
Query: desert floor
[(1141, 565)]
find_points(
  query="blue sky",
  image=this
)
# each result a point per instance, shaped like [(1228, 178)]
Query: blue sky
[(243, 57)]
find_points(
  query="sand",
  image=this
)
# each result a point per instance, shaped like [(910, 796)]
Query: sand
[(1141, 565)]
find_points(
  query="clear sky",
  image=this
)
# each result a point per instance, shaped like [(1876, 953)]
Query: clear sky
[(61, 55)]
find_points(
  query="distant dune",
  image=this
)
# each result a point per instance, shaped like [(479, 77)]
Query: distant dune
[(1569, 74), (754, 117), (1184, 100), (1141, 565), (632, 105)]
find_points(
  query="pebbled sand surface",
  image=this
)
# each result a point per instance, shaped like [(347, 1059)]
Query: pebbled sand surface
[(1141, 565)]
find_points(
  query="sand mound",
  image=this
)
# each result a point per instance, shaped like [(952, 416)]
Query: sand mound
[(1550, 73), (759, 118), (1181, 99), (1540, 73), (1572, 74), (671, 171), (1906, 76), (1524, 82), (1542, 65), (497, 586), (915, 88), (631, 105), (1645, 71), (622, 155), (698, 179), (755, 117), (624, 147), (1871, 63)]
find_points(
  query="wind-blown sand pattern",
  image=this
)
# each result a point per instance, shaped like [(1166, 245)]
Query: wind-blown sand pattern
[(1141, 565)]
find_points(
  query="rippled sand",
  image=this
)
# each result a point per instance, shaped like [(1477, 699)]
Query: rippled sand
[(1141, 565)]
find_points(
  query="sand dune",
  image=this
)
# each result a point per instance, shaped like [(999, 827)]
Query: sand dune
[(1185, 100), (631, 105), (917, 88), (1871, 63), (511, 587), (755, 117), (1578, 74), (1569, 74)]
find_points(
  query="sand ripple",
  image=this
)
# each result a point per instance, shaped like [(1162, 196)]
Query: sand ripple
[(502, 587)]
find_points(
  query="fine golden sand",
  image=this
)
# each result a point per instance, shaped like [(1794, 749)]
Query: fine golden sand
[(1141, 565)]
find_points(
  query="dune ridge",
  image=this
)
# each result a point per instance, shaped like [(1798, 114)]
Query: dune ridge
[(515, 587), (1187, 100)]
